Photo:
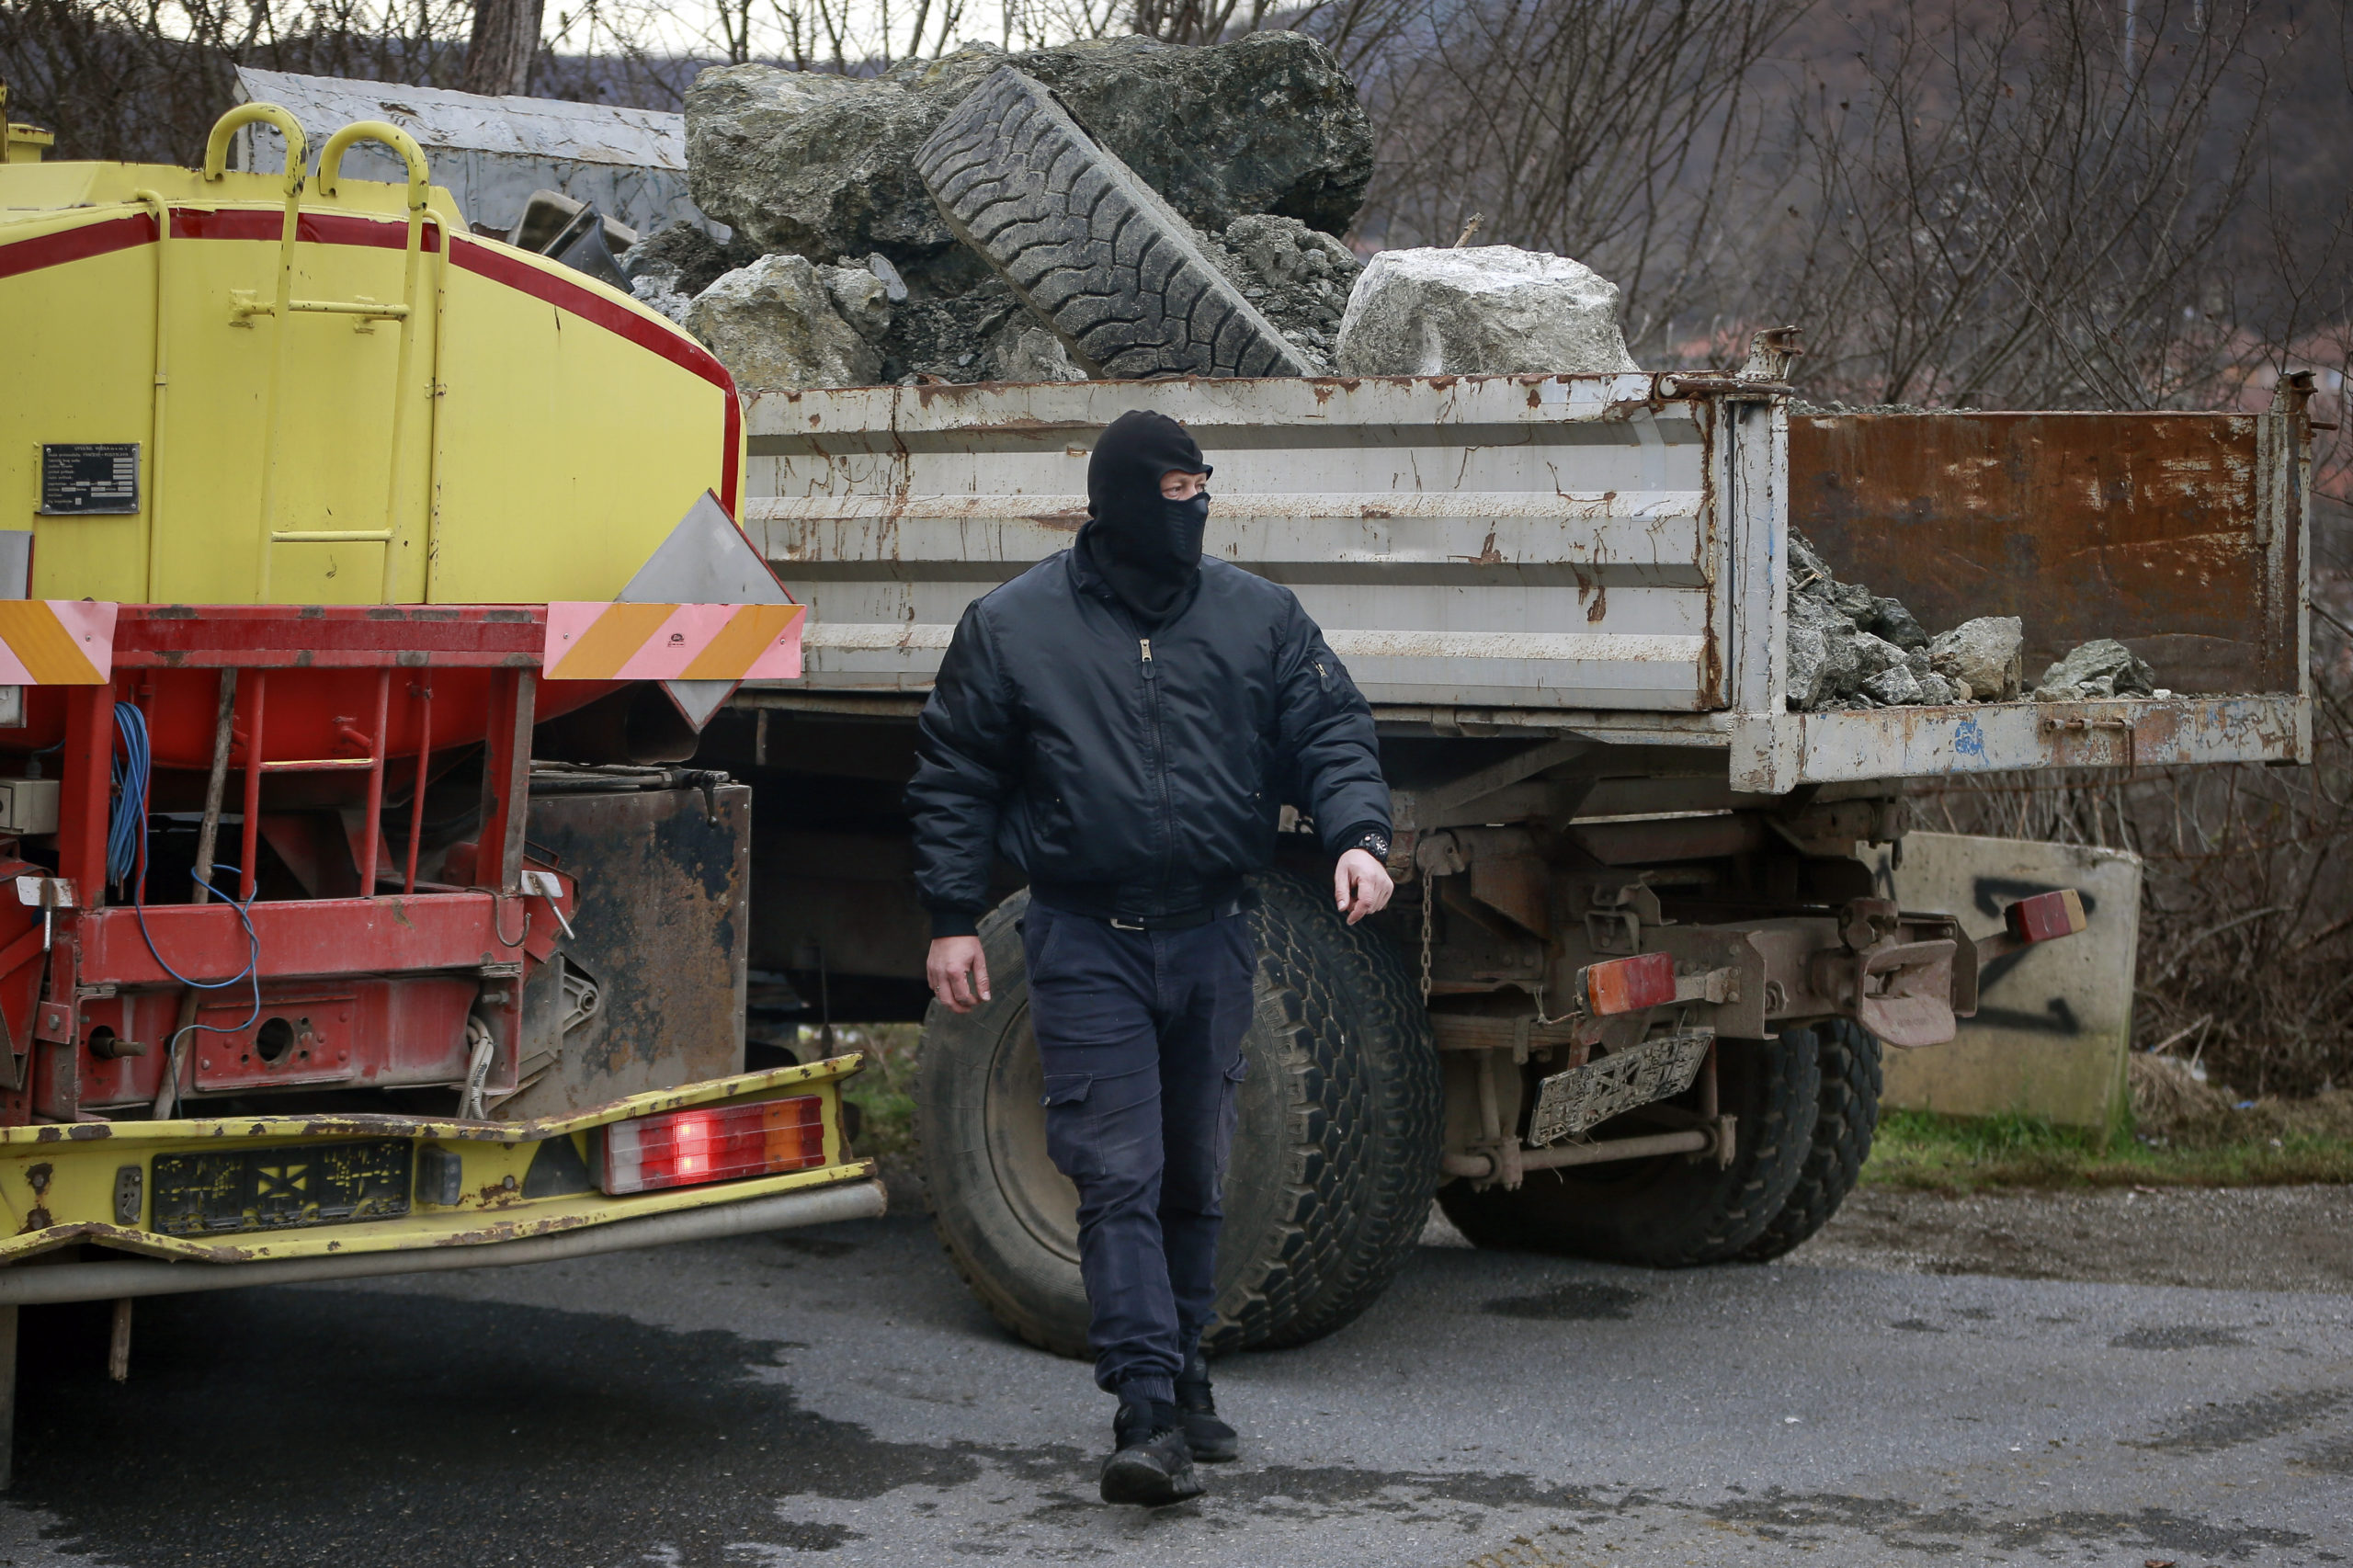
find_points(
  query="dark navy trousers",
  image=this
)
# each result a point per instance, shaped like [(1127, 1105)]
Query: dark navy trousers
[(1140, 1036)]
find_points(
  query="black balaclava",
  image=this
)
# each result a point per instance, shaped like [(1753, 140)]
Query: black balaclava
[(1147, 547)]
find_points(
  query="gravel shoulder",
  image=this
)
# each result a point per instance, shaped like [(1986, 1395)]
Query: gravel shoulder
[(2257, 1238), (2260, 1238)]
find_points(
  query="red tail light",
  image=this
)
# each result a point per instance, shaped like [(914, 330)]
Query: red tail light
[(687, 1148), (1627, 985)]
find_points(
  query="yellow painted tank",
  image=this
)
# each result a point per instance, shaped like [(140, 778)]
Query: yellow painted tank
[(231, 388)]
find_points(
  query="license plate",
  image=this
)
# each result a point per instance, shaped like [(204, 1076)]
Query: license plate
[(1570, 1101), (284, 1188)]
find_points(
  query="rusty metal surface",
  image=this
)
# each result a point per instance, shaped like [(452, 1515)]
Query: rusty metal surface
[(2159, 529), (1774, 753), (660, 932)]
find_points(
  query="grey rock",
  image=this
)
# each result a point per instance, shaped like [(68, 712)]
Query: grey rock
[(1824, 661), (1808, 653), (774, 325), (1874, 655), (894, 286), (823, 165), (1856, 602), (1299, 278), (1484, 310), (1897, 624), (1808, 574), (1025, 351), (691, 251), (1936, 690), (1984, 655), (1893, 686), (657, 284), (2102, 667), (860, 299), (929, 336)]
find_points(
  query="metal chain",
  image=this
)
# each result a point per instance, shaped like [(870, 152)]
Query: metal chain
[(1428, 883)]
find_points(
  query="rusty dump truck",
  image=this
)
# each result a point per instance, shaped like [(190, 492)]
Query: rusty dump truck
[(1630, 1000)]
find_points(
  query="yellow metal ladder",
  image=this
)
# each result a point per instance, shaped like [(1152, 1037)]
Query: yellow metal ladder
[(283, 307)]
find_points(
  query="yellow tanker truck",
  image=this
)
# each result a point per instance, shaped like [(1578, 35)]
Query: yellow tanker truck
[(349, 631)]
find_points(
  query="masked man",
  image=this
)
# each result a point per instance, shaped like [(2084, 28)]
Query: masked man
[(1124, 721)]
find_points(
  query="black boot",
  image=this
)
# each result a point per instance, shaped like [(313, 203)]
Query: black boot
[(1152, 1465), (1211, 1440)]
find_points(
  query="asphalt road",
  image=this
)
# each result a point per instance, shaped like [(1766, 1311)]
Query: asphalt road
[(834, 1397)]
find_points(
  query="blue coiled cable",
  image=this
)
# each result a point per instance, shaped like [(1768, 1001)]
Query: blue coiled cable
[(127, 861)]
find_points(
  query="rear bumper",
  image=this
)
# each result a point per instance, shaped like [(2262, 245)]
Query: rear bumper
[(482, 1193), (112, 1280)]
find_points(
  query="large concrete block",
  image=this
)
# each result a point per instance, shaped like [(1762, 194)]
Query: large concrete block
[(1488, 310), (2055, 1022)]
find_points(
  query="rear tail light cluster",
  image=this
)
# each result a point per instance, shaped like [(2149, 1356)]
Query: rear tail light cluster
[(687, 1148), (1628, 985), (2047, 916)]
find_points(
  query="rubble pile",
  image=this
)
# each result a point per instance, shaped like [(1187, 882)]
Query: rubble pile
[(1259, 145), (1300, 277), (1851, 648), (1492, 309)]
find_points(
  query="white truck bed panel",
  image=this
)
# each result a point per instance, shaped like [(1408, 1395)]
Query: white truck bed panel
[(1605, 555)]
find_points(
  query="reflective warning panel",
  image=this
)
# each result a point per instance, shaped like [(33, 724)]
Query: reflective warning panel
[(663, 641), (56, 642)]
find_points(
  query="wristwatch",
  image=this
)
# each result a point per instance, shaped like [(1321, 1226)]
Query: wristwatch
[(1373, 842)]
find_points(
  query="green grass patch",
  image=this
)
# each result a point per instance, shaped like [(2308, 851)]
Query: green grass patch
[(2274, 1143), (884, 1091)]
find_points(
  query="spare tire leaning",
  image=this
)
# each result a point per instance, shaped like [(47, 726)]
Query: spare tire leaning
[(1089, 247), (1334, 1155)]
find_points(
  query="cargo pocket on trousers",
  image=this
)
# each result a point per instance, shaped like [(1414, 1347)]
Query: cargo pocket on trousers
[(1066, 1089)]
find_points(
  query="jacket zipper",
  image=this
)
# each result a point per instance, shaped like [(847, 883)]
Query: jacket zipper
[(1160, 763)]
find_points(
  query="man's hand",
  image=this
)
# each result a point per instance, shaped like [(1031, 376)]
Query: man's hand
[(1360, 886), (960, 975)]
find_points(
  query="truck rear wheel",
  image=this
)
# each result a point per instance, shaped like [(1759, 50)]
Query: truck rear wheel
[(1334, 1154), (1845, 1116), (1678, 1211)]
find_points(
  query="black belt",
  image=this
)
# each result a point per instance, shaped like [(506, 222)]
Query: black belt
[(1188, 921)]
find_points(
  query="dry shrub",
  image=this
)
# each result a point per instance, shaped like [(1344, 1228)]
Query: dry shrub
[(2171, 1105)]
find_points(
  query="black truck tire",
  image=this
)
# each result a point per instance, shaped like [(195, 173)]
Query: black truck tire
[(1845, 1116), (1088, 245), (1676, 1211), (1334, 1155)]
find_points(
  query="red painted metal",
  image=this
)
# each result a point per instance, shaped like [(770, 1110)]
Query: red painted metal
[(370, 990), (324, 660), (423, 693), (307, 936)]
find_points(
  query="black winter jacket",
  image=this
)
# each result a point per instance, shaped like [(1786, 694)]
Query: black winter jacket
[(1132, 771)]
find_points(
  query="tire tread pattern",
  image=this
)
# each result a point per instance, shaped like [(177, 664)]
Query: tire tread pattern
[(1365, 1124), (1844, 1121), (1067, 225)]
